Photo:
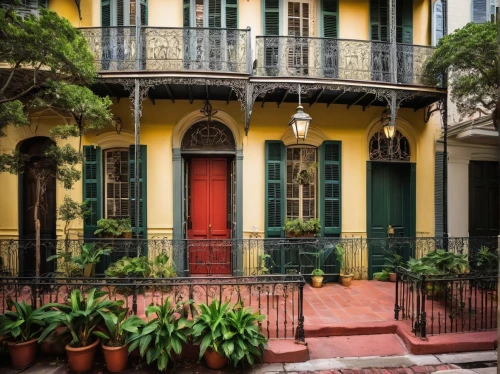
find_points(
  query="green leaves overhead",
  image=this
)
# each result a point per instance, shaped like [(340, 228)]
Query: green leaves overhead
[(21, 322), (470, 56)]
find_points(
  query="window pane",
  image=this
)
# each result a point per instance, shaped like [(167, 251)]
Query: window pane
[(116, 183), (301, 199)]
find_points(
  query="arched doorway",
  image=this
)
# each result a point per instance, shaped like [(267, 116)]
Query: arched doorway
[(390, 198), (35, 147), (208, 150)]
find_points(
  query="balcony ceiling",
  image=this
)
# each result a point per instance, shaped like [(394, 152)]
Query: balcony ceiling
[(177, 92)]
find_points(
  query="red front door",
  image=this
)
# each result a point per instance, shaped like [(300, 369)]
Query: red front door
[(208, 220)]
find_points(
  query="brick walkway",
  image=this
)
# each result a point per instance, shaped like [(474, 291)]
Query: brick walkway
[(404, 370)]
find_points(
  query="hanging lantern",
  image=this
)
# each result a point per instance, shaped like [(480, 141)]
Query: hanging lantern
[(300, 122)]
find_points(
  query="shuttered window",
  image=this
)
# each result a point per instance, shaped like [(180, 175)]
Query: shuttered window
[(437, 22), (330, 188), (330, 18), (438, 195), (480, 11), (113, 197), (232, 14), (274, 200), (186, 13), (379, 21), (25, 8), (300, 198), (271, 17), (210, 13), (123, 12)]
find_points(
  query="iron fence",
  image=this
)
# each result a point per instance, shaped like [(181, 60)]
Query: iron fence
[(339, 59), (442, 304), (170, 49), (259, 256), (279, 298)]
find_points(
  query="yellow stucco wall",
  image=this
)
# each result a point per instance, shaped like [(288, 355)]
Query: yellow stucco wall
[(68, 9), (354, 19)]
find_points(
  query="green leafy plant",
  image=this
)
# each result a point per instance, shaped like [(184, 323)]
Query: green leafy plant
[(306, 174), (124, 225), (392, 261), (71, 210), (439, 262), (342, 259), (91, 254), (161, 267), (244, 342), (486, 261), (119, 327), (21, 322), (211, 327), (162, 338), (317, 273), (79, 315), (383, 275), (299, 227), (108, 227), (129, 267)]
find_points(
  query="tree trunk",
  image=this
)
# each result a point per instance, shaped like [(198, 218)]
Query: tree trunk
[(37, 223)]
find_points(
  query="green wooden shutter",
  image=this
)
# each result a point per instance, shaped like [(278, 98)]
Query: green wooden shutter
[(379, 20), (437, 22), (275, 188), (186, 13), (140, 228), (330, 188), (214, 13), (438, 194), (105, 13), (404, 22), (330, 18), (271, 17), (92, 188), (231, 14), (144, 12)]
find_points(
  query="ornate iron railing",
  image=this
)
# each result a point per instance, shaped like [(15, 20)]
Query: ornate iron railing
[(170, 49), (279, 298), (442, 304), (290, 56), (243, 256)]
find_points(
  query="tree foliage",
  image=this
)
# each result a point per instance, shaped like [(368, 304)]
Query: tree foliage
[(470, 56)]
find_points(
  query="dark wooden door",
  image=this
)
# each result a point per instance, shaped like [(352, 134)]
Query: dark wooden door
[(390, 203), (47, 213), (209, 217), (484, 202)]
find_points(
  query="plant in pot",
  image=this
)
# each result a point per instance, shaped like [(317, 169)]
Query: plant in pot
[(306, 173), (209, 329), (342, 259), (161, 339), (118, 329), (298, 228), (90, 255), (21, 325), (317, 278), (392, 261), (80, 316), (125, 226), (244, 342), (108, 228), (128, 267)]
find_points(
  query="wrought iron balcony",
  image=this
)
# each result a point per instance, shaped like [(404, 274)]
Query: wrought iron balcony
[(289, 56), (170, 49)]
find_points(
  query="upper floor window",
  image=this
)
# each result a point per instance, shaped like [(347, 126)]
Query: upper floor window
[(123, 12), (25, 7), (379, 21), (301, 183), (483, 11), (210, 13)]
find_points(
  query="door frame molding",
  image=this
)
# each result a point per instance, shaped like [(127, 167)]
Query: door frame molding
[(413, 202)]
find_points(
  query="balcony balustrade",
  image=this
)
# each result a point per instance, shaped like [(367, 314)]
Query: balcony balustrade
[(169, 49), (343, 59)]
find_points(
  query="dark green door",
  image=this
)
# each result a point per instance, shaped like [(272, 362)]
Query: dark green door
[(484, 202), (390, 201)]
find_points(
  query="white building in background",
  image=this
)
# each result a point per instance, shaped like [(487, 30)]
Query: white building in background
[(473, 148)]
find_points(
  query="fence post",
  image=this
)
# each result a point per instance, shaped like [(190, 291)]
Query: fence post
[(396, 306), (300, 328), (423, 314), (134, 299)]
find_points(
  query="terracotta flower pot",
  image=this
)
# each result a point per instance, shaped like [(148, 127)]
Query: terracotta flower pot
[(392, 277), (317, 282), (81, 359), (116, 358), (127, 235), (23, 354), (89, 270), (214, 359), (346, 280)]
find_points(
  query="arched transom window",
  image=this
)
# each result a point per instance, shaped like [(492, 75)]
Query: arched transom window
[(383, 148)]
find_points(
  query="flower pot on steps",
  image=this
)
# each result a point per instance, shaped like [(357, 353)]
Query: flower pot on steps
[(116, 358), (317, 282), (214, 360), (346, 279), (23, 354), (81, 359)]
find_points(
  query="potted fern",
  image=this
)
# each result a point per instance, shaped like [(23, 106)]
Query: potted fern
[(108, 228), (299, 228), (21, 325), (125, 227), (118, 329), (342, 259)]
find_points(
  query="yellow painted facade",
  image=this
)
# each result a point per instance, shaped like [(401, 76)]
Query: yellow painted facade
[(352, 126)]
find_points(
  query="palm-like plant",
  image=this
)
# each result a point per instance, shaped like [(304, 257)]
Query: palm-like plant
[(245, 341), (119, 327), (212, 326), (162, 338), (21, 322), (80, 316)]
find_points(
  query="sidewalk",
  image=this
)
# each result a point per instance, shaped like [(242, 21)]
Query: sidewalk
[(477, 362)]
